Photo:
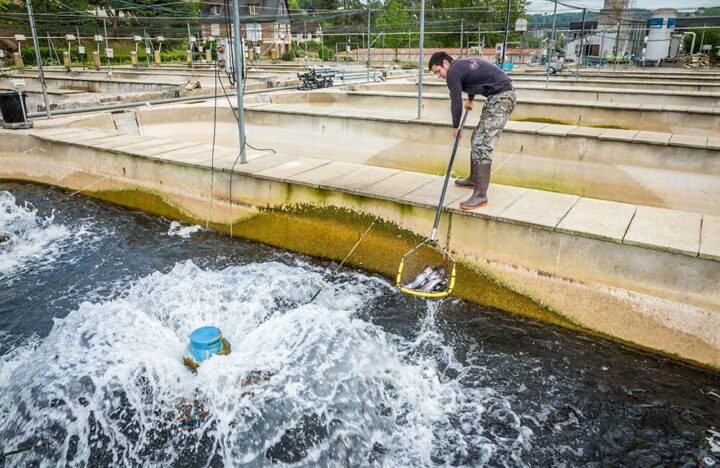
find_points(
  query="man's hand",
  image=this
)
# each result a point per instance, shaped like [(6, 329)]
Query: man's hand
[(469, 104), (456, 132)]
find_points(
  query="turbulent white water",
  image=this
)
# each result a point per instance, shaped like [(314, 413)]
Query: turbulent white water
[(26, 237), (177, 229), (103, 387)]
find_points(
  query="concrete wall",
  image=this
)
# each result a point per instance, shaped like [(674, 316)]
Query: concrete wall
[(558, 92), (653, 118), (626, 83), (96, 85)]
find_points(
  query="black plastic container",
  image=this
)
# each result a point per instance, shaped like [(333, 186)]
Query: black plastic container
[(10, 106)]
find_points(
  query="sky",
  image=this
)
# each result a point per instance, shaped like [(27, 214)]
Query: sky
[(547, 5)]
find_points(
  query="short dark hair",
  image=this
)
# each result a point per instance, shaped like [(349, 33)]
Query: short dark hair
[(437, 59)]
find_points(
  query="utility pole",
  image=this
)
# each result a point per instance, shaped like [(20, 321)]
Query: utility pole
[(50, 49), (107, 47), (507, 31), (80, 46), (190, 48), (38, 58), (582, 43), (462, 24), (421, 58), (617, 43), (551, 47), (147, 48), (237, 49), (347, 37), (368, 47)]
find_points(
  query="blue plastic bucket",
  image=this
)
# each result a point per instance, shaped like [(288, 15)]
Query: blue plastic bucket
[(205, 342)]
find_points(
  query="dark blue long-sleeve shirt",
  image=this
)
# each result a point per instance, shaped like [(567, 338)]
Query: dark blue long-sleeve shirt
[(473, 76)]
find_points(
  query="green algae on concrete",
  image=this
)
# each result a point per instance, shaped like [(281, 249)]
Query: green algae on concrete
[(144, 200), (543, 120), (567, 122), (329, 232)]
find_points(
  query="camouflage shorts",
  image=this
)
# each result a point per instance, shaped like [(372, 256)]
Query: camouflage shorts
[(495, 114)]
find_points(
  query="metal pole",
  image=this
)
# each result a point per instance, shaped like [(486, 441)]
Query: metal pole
[(462, 24), (305, 39), (147, 56), (617, 43), (582, 43), (507, 30), (368, 48), (49, 50), (383, 47), (190, 48), (551, 47), (107, 45), (38, 58), (421, 58), (77, 30), (239, 85)]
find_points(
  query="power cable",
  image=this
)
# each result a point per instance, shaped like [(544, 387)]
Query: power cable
[(212, 151), (352, 250)]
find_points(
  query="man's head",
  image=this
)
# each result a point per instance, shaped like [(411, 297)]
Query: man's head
[(440, 63)]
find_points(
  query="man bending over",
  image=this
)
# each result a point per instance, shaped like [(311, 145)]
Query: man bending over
[(475, 76)]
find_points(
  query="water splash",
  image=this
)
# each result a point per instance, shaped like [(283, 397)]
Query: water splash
[(26, 237), (177, 229), (104, 386), (714, 441)]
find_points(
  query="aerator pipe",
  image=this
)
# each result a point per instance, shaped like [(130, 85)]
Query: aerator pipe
[(692, 45)]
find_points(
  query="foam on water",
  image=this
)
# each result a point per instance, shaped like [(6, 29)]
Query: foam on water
[(31, 242), (26, 237), (714, 441), (103, 387), (177, 229)]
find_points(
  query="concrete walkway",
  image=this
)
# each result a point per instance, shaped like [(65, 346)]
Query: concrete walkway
[(642, 226)]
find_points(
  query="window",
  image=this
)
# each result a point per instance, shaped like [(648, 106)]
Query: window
[(215, 10), (254, 9)]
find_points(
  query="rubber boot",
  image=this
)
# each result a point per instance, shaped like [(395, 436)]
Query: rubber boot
[(481, 180), (466, 183)]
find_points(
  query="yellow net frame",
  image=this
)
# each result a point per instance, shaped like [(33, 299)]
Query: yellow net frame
[(425, 253)]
